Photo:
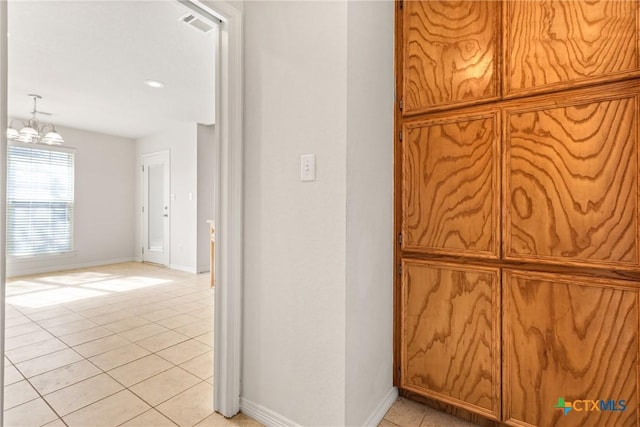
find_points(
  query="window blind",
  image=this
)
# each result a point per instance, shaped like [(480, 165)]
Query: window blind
[(40, 200)]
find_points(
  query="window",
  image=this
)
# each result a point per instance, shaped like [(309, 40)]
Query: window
[(39, 200)]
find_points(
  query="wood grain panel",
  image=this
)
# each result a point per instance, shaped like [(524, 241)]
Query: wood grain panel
[(450, 335), (555, 44), (451, 186), (449, 57), (569, 337), (571, 172)]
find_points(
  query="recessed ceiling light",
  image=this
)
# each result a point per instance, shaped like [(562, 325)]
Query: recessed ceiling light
[(154, 84)]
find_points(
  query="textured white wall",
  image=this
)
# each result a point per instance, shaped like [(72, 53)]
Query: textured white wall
[(317, 338), (104, 200), (369, 296), (181, 141), (294, 238)]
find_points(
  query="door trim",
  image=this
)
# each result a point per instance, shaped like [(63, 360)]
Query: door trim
[(228, 206), (3, 184)]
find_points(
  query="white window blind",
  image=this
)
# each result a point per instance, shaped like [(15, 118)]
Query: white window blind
[(40, 198)]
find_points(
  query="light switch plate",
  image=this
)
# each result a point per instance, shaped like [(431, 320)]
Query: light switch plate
[(308, 167)]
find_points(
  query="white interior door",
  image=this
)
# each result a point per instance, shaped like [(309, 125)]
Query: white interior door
[(155, 208)]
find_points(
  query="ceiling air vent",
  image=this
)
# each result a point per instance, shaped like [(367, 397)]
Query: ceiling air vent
[(195, 22)]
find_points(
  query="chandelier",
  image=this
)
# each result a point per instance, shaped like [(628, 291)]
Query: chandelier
[(33, 131)]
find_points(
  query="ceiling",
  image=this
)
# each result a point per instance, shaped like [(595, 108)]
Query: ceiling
[(89, 61)]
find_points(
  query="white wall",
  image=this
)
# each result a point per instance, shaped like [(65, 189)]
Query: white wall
[(294, 237), (181, 141), (206, 140), (317, 326), (370, 84), (104, 200)]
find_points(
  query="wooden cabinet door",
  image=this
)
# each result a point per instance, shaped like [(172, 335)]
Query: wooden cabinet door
[(450, 53), (551, 45), (573, 338), (451, 185), (450, 334), (571, 178)]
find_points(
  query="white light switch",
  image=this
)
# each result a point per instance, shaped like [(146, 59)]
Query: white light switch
[(308, 167)]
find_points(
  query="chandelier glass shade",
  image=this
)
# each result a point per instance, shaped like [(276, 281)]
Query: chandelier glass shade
[(33, 131)]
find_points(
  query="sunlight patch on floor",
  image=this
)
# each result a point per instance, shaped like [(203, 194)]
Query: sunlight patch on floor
[(76, 278), (125, 284), (43, 291), (52, 297)]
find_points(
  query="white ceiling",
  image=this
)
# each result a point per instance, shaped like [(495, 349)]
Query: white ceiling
[(89, 61)]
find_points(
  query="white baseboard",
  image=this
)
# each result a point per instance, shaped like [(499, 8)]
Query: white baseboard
[(264, 415), (271, 419), (23, 268), (183, 268), (376, 417)]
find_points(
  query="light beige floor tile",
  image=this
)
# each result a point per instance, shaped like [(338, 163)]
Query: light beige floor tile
[(111, 411), (210, 380), (176, 321), (17, 320), (206, 338), (165, 385), (433, 418), (11, 375), (140, 309), (148, 419), (55, 423), (140, 370), (48, 362), (62, 377), (101, 345), (119, 356), (405, 413), (60, 320), (195, 329), (115, 316), (387, 423), (126, 324), (26, 339), (81, 394), (190, 307), (143, 332), (184, 351), (49, 313), (35, 350), (24, 328), (189, 407), (84, 336), (33, 413), (11, 312), (201, 366), (71, 327), (18, 393), (217, 420), (162, 341), (160, 314), (98, 309), (203, 313)]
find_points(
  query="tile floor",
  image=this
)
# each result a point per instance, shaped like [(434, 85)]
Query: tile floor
[(125, 344), (407, 413)]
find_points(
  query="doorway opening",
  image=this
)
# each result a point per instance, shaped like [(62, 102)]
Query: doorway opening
[(230, 181)]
